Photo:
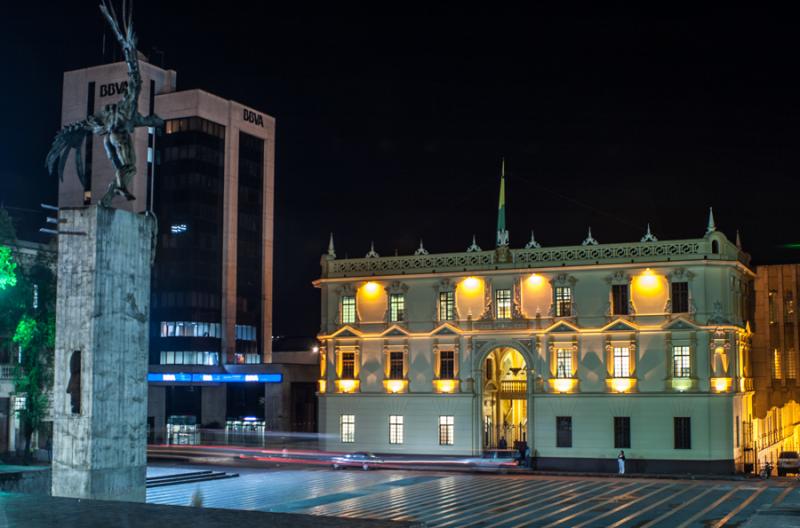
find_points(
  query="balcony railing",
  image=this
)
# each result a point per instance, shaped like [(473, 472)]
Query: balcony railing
[(514, 388)]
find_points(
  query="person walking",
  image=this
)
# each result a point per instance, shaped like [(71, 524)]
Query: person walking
[(621, 462), (502, 444)]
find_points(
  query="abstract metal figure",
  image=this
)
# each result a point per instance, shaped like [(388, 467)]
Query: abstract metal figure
[(116, 122)]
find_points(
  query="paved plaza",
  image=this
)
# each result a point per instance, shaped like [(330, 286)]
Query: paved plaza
[(488, 501)]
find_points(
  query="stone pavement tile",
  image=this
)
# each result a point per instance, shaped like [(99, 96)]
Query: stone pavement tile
[(30, 511), (783, 516)]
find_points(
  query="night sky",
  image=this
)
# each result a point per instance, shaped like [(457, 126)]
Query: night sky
[(391, 124)]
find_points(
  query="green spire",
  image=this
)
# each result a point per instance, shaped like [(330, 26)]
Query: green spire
[(502, 232)]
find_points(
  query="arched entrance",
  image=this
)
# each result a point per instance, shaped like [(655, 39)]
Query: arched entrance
[(505, 398)]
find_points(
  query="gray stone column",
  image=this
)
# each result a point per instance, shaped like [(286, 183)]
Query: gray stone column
[(100, 381)]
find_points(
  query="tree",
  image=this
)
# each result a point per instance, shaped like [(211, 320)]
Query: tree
[(27, 315)]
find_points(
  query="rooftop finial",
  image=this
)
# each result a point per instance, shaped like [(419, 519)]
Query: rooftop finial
[(474, 246), (589, 241), (331, 250), (502, 232), (711, 225), (372, 253), (532, 244), (421, 249), (649, 237)]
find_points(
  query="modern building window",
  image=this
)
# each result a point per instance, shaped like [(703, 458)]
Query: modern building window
[(447, 306), (348, 309), (395, 429), (503, 304), (397, 307), (246, 332), (447, 364), (683, 432), (619, 299), (396, 365), (347, 427), (348, 365), (563, 363), (563, 431), (252, 359), (680, 297), (622, 362), (563, 301), (189, 329), (189, 357), (622, 432), (446, 430), (681, 362)]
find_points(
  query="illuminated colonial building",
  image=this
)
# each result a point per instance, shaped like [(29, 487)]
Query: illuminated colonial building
[(580, 351)]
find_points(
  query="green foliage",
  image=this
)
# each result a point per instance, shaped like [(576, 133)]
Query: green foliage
[(8, 268), (26, 332)]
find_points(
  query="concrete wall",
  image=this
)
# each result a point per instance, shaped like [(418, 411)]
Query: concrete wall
[(102, 311)]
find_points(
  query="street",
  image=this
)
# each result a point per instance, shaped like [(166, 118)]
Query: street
[(481, 500)]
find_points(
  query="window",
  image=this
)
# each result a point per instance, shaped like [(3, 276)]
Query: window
[(563, 431), (189, 357), (777, 367), (622, 362), (446, 430), (619, 299), (489, 369), (680, 297), (348, 365), (396, 365), (192, 329), (503, 303), (348, 309), (683, 432), (447, 364), (447, 306), (563, 301), (563, 363), (397, 308), (347, 426), (622, 432), (395, 429), (246, 332), (681, 362)]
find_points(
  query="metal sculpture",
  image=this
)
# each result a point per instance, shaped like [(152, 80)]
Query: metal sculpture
[(115, 122)]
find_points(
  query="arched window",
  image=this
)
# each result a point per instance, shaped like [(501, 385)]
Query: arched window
[(715, 246)]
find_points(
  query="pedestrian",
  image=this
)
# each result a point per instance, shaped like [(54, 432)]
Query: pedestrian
[(502, 444), (528, 457), (621, 462)]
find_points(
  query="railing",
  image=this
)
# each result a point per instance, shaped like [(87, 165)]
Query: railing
[(514, 386), (6, 371)]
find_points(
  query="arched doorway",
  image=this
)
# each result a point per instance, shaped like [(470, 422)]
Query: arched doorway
[(505, 398)]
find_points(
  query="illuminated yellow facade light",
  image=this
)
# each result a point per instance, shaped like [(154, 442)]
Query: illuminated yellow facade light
[(682, 384), (372, 288), (563, 385), (621, 385), (395, 386), (323, 385), (535, 280), (648, 282), (721, 384), (471, 284), (445, 386), (347, 386)]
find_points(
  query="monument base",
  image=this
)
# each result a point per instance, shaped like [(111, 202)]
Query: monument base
[(100, 374)]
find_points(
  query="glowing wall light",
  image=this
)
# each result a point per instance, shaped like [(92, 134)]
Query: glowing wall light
[(445, 385), (372, 288), (471, 284), (347, 385), (563, 385), (323, 384), (395, 386), (535, 280), (681, 384), (648, 282), (622, 384), (721, 384)]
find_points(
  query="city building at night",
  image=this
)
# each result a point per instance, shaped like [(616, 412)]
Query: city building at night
[(578, 351), (208, 177)]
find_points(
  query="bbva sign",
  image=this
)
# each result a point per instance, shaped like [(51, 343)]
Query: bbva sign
[(253, 117), (113, 88)]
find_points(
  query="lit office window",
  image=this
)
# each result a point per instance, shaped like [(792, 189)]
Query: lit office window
[(252, 359), (348, 365), (446, 430), (503, 303), (622, 362), (395, 429), (245, 332), (348, 309), (396, 365), (397, 309), (347, 425), (619, 298), (178, 229), (563, 363), (681, 365), (447, 364), (447, 306), (680, 297), (563, 301), (683, 432), (189, 357), (189, 329)]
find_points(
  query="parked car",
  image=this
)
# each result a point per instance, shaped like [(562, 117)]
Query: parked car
[(365, 460), (788, 462)]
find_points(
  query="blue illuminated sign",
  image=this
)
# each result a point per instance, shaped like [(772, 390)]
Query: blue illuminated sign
[(214, 378)]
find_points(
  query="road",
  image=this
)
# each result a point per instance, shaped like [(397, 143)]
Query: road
[(464, 500)]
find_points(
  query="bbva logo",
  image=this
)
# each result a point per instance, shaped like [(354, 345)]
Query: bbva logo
[(114, 88), (252, 117)]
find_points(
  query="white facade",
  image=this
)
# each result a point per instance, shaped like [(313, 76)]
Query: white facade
[(588, 333)]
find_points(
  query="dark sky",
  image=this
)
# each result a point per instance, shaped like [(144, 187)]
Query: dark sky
[(391, 124)]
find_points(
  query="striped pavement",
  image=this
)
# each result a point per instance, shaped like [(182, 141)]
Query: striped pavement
[(465, 500)]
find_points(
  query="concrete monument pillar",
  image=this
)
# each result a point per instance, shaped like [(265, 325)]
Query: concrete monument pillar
[(100, 374)]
